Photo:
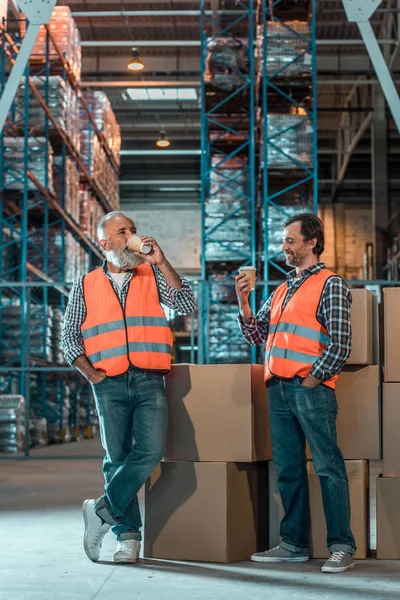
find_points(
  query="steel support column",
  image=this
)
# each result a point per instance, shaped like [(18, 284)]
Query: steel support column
[(380, 193)]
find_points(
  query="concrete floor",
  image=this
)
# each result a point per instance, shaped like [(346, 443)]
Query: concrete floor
[(41, 555)]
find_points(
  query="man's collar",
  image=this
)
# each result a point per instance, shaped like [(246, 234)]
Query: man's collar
[(309, 271), (105, 270)]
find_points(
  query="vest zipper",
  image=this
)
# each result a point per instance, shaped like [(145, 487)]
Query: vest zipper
[(280, 317), (124, 316)]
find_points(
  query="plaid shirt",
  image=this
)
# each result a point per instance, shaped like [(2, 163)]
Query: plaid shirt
[(72, 341), (333, 314)]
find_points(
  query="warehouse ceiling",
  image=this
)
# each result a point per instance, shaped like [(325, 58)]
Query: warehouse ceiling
[(147, 177)]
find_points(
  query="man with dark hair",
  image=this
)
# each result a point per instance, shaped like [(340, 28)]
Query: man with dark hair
[(305, 324)]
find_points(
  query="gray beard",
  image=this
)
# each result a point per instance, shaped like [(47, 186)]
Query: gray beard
[(124, 259)]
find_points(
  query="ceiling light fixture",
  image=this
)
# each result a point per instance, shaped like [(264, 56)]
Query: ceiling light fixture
[(163, 141), (135, 64)]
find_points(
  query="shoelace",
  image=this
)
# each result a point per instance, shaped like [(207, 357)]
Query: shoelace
[(98, 536), (337, 556), (123, 547)]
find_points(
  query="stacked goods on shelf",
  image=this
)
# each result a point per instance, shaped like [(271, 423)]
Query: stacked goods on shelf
[(56, 409), (10, 268), (40, 162), (87, 414), (286, 49), (227, 59), (104, 117), (66, 185), (99, 166), (77, 259), (38, 432), (275, 221), (66, 35), (56, 335), (294, 144), (39, 335), (223, 323), (227, 198), (64, 254), (12, 423), (60, 97), (91, 212)]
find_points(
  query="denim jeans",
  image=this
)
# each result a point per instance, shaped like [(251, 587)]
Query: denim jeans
[(132, 411), (298, 414)]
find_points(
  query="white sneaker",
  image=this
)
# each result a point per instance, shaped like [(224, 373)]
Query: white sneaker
[(95, 530), (127, 551)]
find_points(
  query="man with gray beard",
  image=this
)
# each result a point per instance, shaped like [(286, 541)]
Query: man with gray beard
[(116, 334)]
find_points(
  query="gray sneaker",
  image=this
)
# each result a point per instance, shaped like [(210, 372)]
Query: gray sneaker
[(339, 562), (279, 554)]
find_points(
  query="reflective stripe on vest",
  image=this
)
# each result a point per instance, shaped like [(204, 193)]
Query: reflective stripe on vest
[(299, 357), (296, 339), (133, 347), (130, 321), (305, 332), (138, 334)]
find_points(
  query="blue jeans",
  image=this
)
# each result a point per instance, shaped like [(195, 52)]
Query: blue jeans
[(298, 414), (132, 411)]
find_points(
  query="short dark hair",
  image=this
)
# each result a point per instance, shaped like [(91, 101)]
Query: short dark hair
[(311, 228)]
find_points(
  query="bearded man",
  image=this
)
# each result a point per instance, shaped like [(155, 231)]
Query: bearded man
[(116, 334)]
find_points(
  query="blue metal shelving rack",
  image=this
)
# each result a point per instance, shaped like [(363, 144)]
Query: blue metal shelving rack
[(29, 210), (227, 140), (287, 85)]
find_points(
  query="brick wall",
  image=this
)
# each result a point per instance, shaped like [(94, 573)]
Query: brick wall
[(347, 233), (178, 231)]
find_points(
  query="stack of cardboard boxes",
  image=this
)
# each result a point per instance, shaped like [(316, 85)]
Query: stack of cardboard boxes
[(388, 486), (208, 500)]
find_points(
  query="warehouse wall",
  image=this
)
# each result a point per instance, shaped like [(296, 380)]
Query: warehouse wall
[(178, 231), (347, 232)]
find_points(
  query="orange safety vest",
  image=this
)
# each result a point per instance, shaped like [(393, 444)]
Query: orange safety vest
[(115, 337), (296, 339)]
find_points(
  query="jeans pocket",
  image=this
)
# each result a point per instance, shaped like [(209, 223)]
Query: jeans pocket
[(100, 382), (307, 388)]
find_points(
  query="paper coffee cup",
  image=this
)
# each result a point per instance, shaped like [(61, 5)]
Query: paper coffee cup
[(250, 272), (136, 244)]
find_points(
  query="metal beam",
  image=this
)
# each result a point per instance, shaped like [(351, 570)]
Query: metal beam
[(141, 84), (160, 153), (150, 13), (159, 181), (360, 11), (348, 152), (179, 83), (38, 15), (196, 43), (380, 191)]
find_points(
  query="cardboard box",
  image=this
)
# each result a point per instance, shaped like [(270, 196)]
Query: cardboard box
[(206, 511), (217, 413), (359, 415), (388, 518), (357, 472), (391, 429), (364, 325), (391, 320)]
